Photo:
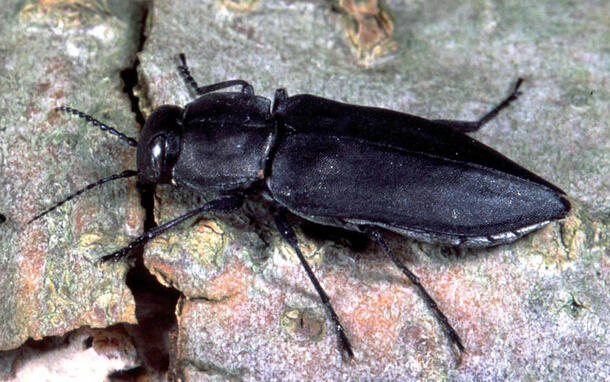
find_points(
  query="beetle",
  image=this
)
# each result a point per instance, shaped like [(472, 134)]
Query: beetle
[(359, 168)]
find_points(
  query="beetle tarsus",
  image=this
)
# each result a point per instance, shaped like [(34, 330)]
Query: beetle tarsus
[(288, 234), (451, 333), (505, 102), (116, 256)]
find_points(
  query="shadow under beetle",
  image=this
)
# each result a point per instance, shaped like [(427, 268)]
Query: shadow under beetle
[(359, 168)]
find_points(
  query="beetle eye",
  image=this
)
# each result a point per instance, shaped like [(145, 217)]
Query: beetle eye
[(157, 149)]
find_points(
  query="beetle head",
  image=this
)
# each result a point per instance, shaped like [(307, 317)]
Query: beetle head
[(159, 144)]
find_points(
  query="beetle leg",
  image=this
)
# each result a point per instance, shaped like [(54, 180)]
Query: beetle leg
[(451, 333), (186, 74), (225, 204), (288, 234), (246, 87), (469, 126)]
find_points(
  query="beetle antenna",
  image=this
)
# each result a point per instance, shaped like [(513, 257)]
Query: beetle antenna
[(186, 74), (124, 174), (130, 141)]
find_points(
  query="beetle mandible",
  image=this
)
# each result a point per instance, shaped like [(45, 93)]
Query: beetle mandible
[(359, 168)]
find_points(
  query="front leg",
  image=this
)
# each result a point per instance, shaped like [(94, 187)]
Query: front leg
[(183, 68), (225, 204)]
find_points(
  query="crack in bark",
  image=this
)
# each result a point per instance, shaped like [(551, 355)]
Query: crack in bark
[(154, 303)]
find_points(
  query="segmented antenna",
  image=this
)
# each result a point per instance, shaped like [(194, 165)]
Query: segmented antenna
[(124, 174), (186, 74), (130, 141)]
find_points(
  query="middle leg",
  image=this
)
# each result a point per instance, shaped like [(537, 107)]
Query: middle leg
[(288, 234)]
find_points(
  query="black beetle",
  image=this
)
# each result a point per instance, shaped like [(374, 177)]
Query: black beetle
[(359, 168)]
